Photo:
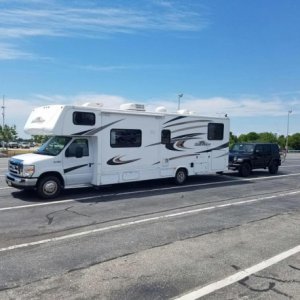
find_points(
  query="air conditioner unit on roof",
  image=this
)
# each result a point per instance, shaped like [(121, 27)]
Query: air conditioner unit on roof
[(132, 106)]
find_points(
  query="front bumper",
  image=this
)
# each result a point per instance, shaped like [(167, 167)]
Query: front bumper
[(234, 166), (20, 182)]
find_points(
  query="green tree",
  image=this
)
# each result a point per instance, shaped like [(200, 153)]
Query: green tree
[(267, 137), (294, 141), (243, 138), (40, 139), (252, 137), (281, 140), (232, 139), (8, 133)]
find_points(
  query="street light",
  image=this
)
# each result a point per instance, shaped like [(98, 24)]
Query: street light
[(287, 131), (179, 97)]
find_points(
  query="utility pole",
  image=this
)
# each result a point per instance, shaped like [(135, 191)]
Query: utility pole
[(3, 112), (287, 131)]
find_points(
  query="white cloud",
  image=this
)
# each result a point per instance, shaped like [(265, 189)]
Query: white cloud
[(89, 19), (217, 106), (9, 52)]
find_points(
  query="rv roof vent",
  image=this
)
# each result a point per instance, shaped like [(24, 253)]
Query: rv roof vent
[(183, 112), (160, 109), (93, 104), (132, 106)]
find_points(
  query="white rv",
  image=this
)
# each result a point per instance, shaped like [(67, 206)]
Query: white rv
[(93, 146)]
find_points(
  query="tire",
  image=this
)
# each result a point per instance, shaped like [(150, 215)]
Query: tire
[(49, 187), (273, 167), (245, 170), (181, 176)]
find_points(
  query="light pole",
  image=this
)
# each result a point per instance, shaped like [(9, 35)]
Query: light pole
[(287, 132), (179, 97), (3, 113)]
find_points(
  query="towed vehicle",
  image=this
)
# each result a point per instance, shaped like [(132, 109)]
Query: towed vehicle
[(245, 157)]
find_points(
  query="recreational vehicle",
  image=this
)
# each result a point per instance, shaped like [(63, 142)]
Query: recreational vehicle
[(92, 146)]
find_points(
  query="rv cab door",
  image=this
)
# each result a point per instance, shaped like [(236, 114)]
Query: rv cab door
[(78, 162)]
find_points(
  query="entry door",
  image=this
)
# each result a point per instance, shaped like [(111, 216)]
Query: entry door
[(78, 162), (201, 165)]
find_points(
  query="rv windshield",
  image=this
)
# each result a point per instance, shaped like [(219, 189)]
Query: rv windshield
[(54, 145)]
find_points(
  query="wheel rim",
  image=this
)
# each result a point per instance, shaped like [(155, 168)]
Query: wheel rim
[(50, 188), (181, 176)]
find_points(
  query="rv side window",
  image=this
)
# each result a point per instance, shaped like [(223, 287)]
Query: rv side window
[(215, 131), (78, 146), (125, 138), (84, 118), (165, 136)]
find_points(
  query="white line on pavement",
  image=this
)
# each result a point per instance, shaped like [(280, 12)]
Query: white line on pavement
[(203, 291), (143, 221), (146, 191)]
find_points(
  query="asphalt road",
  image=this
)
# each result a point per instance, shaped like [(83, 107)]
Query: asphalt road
[(217, 237)]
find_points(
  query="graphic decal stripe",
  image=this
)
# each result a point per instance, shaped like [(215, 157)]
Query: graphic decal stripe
[(188, 122), (225, 154), (197, 153), (177, 118), (187, 136), (96, 130), (216, 148), (180, 139), (81, 132), (74, 168), (188, 128), (116, 161)]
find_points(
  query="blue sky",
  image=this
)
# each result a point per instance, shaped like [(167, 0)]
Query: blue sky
[(226, 56)]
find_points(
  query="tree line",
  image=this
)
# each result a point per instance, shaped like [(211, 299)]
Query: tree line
[(9, 133), (268, 137)]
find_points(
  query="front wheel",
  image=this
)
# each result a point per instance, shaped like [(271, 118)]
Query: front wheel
[(245, 170), (181, 176), (49, 187)]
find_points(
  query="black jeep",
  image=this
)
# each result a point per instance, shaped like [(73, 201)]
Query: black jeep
[(245, 157)]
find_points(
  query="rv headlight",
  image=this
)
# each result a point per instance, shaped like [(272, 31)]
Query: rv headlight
[(28, 171), (240, 160)]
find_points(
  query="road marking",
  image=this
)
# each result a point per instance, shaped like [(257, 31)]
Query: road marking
[(143, 221), (145, 191), (292, 166), (239, 275)]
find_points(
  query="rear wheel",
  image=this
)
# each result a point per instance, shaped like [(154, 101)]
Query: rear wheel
[(181, 176), (49, 187), (273, 167), (245, 170)]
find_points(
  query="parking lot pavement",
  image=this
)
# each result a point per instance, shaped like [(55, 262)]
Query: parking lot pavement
[(154, 240)]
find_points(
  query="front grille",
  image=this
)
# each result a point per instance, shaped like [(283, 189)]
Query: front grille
[(15, 166)]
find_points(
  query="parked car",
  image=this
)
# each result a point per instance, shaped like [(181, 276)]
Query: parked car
[(24, 145), (13, 145), (245, 157), (3, 144)]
